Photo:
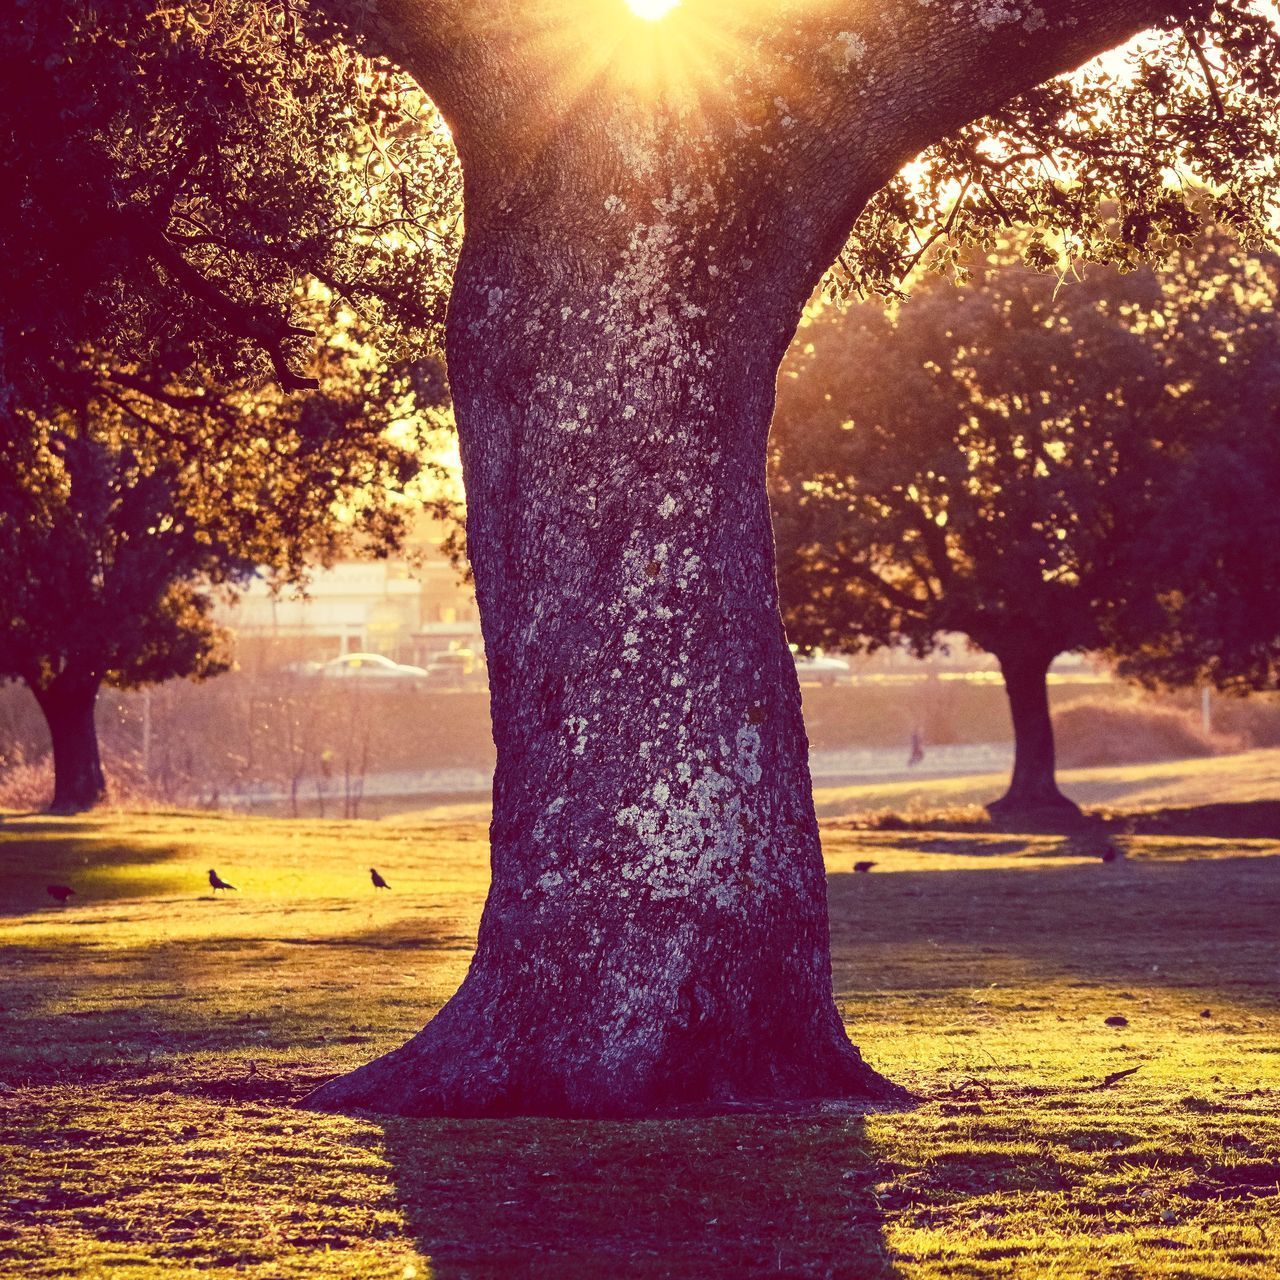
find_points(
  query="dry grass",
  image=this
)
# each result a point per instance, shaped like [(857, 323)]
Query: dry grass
[(152, 1041)]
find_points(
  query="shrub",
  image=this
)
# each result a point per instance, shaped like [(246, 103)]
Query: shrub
[(25, 785)]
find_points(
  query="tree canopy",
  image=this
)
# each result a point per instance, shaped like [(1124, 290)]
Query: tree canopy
[(1043, 466), (186, 186)]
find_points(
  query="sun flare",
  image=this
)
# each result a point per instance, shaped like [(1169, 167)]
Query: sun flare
[(651, 10)]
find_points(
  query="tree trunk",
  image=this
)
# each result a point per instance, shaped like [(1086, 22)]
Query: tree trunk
[(78, 782), (1033, 793), (656, 933)]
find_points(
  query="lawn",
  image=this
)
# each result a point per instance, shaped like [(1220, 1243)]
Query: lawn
[(153, 1041), (1249, 778)]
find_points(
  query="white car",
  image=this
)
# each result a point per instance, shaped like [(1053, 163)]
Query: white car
[(818, 668), (368, 666)]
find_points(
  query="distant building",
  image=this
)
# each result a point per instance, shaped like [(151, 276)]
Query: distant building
[(407, 610)]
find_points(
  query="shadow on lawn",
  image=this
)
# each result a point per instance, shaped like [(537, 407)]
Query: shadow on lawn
[(713, 1198), (99, 870), (1206, 924), (1240, 820), (1254, 820)]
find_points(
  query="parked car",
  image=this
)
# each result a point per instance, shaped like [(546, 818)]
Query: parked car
[(371, 667), (818, 668), (451, 670)]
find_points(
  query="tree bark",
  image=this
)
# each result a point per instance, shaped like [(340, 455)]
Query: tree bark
[(1033, 789), (656, 931), (68, 707)]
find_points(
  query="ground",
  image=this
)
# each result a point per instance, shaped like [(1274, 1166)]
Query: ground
[(153, 1041), (1249, 778)]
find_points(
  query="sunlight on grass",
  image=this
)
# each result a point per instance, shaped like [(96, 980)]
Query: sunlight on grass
[(153, 1041), (1241, 779)]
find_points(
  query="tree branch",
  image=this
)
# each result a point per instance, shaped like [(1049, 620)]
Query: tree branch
[(890, 593), (1212, 85), (255, 324)]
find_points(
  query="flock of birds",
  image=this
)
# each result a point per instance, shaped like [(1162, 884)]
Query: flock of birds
[(61, 892)]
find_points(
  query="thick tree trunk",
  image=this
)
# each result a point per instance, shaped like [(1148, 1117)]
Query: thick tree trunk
[(1033, 793), (641, 237), (656, 931), (68, 706)]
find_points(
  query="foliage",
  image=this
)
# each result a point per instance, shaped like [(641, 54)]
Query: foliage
[(1217, 619), (178, 181), (1116, 163), (120, 529), (192, 192), (1023, 462)]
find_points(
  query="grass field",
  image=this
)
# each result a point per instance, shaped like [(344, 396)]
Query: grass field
[(1248, 778), (152, 1041)]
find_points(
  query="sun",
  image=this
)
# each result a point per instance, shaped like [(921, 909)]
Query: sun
[(652, 10)]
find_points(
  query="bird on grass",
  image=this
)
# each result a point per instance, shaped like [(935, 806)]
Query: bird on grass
[(863, 867), (218, 882), (60, 893), (378, 881)]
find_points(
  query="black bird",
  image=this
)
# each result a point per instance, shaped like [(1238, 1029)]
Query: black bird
[(378, 881), (60, 892), (863, 867), (218, 882), (1109, 852)]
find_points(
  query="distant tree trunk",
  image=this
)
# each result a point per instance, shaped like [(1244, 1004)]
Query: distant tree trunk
[(1033, 790), (68, 707), (656, 932)]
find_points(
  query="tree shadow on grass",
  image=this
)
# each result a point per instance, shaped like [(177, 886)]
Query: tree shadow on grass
[(98, 870), (707, 1198), (1201, 923), (195, 1015), (1238, 820), (1252, 820)]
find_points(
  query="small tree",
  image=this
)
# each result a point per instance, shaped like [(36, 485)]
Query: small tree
[(1001, 461), (97, 573), (120, 533), (191, 194)]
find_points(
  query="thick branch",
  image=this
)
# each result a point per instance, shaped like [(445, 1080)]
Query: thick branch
[(469, 56), (918, 72), (887, 591)]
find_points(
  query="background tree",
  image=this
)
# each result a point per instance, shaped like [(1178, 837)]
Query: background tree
[(648, 210), (122, 524), (1011, 460), (192, 194)]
